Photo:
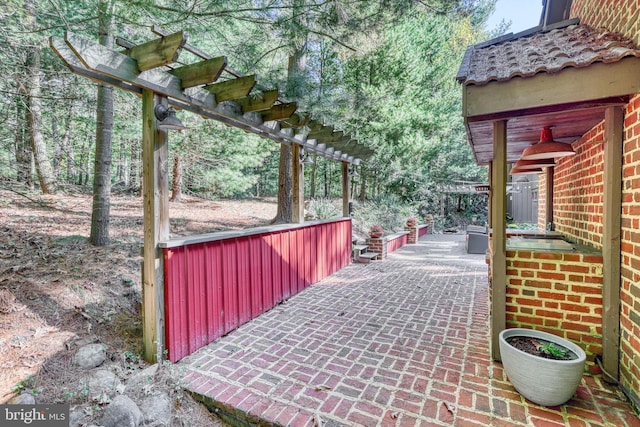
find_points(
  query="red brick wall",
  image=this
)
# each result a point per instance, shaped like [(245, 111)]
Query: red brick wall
[(623, 16), (630, 246), (620, 16), (578, 190), (560, 293)]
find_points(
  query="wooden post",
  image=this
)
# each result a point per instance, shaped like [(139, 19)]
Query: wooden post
[(346, 190), (490, 193), (612, 202), (498, 240), (156, 227), (548, 190), (297, 173)]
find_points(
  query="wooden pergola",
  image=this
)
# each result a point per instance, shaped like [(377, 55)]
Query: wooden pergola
[(504, 112), (151, 71)]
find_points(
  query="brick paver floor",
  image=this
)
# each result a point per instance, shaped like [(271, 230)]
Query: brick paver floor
[(399, 342)]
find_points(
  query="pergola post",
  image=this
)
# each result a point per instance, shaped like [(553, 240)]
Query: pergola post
[(498, 239), (155, 186), (611, 219), (548, 193), (490, 223), (346, 189), (297, 173)]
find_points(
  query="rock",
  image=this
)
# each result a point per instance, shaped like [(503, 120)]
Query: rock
[(156, 409), (23, 399), (90, 356), (122, 412), (76, 417), (140, 383), (80, 342), (102, 381)]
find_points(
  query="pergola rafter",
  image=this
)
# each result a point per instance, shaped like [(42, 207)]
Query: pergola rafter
[(195, 87)]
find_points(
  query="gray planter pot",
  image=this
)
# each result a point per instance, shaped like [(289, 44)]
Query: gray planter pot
[(546, 382)]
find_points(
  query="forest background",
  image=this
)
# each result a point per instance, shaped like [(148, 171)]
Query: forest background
[(381, 71)]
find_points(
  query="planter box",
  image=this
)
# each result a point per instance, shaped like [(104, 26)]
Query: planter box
[(544, 381)]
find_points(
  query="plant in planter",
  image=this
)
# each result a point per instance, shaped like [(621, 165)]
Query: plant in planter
[(542, 367), (411, 221), (375, 232)]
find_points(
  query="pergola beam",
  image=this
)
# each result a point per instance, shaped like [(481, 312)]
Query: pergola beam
[(260, 103), (297, 120), (199, 73), (231, 90), (280, 111), (158, 52)]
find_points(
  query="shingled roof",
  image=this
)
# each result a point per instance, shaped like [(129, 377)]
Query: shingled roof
[(542, 51)]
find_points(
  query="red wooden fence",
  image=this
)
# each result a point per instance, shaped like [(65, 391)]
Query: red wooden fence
[(215, 283), (397, 241), (425, 229)]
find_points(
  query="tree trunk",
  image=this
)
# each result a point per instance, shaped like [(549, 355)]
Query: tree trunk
[(285, 184), (176, 187), (34, 122), (363, 184), (133, 167), (34, 109), (67, 146), (297, 65), (104, 127), (312, 191), (57, 147), (24, 156)]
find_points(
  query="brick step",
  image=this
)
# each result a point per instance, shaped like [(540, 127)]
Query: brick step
[(358, 250), (366, 257)]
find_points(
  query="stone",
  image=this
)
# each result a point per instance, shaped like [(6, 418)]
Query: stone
[(76, 418), (23, 399), (90, 356), (156, 409), (122, 412), (102, 381), (141, 381)]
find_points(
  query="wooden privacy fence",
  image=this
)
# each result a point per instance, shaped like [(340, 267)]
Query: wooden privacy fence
[(217, 282)]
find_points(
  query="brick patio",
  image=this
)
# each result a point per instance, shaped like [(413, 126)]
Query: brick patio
[(401, 342)]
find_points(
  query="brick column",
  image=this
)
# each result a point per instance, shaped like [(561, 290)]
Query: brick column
[(413, 233), (378, 245)]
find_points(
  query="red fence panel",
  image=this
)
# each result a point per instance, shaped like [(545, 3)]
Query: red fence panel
[(215, 284), (397, 241), (255, 276), (214, 297)]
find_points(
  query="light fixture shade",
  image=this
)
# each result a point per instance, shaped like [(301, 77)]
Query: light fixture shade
[(547, 148), (305, 159), (518, 171), (534, 164), (167, 118)]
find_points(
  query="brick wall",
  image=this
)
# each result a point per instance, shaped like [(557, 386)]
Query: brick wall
[(578, 190), (630, 247), (560, 293), (623, 16), (413, 233), (378, 245), (620, 16)]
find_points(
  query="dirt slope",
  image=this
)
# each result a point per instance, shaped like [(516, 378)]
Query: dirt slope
[(57, 291)]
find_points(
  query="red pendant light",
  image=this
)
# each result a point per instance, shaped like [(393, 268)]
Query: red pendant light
[(534, 164), (519, 171), (547, 148)]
